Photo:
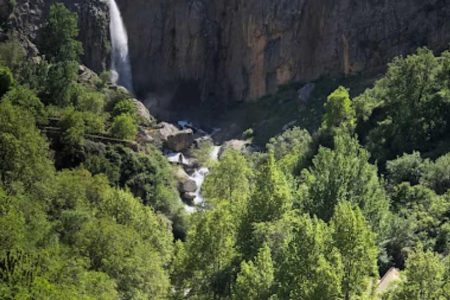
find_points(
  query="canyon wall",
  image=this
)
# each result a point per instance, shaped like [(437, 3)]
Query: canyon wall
[(28, 16), (243, 49), (235, 50)]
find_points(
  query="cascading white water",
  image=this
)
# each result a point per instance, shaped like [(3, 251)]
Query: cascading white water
[(120, 58)]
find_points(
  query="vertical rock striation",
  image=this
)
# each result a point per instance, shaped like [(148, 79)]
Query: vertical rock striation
[(242, 49), (29, 16), (186, 51)]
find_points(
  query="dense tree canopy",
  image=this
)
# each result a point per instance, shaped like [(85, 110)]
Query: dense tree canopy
[(89, 207)]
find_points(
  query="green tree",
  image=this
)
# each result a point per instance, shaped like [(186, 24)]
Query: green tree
[(59, 82), (74, 128), (59, 44), (420, 214), (124, 127), (344, 174), (210, 253), (27, 100), (255, 279), (292, 149), (12, 53), (409, 167), (23, 150), (339, 111), (272, 195), (119, 251), (124, 106), (311, 266), (58, 41), (229, 180), (413, 97), (270, 200), (356, 243), (423, 278), (87, 100), (437, 175)]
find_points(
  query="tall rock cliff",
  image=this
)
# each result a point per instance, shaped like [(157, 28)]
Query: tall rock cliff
[(28, 16), (243, 49), (186, 51)]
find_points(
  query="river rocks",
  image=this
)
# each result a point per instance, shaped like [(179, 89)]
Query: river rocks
[(180, 140), (185, 183), (172, 138), (189, 197)]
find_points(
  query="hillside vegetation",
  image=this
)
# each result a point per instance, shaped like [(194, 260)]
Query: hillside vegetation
[(88, 212)]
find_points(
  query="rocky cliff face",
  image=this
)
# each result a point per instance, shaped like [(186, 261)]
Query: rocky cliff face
[(28, 16), (243, 49), (185, 51)]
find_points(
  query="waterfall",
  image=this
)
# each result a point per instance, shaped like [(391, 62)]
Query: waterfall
[(120, 59)]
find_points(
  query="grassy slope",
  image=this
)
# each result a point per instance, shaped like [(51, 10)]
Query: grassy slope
[(267, 116)]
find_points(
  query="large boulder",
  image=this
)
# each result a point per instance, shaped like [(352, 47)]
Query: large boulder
[(185, 183), (180, 140), (236, 145), (173, 138), (144, 114)]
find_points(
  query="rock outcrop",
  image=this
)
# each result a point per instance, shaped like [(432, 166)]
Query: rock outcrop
[(172, 138), (29, 16), (184, 52), (242, 49)]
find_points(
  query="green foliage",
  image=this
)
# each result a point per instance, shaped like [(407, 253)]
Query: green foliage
[(413, 99), (312, 267), (6, 80), (124, 127), (292, 149), (339, 111), (27, 100), (74, 128), (210, 251), (59, 83), (270, 200), (425, 277), (23, 150), (437, 175), (84, 240), (409, 167), (344, 174), (255, 279), (420, 216), (248, 134), (229, 180), (33, 74), (202, 152), (272, 195), (124, 106), (12, 54), (355, 241), (147, 175), (58, 41), (87, 100)]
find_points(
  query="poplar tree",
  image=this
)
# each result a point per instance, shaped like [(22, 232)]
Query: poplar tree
[(254, 281), (356, 243)]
